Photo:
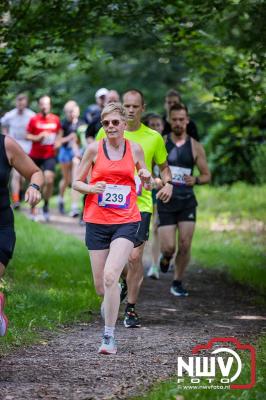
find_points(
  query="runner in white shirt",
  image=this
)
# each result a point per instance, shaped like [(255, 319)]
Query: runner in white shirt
[(14, 124)]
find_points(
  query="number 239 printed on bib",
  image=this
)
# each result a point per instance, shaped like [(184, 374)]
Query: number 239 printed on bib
[(115, 196)]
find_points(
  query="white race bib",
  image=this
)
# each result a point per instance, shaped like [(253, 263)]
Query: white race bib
[(178, 174), (138, 185), (115, 196), (49, 139)]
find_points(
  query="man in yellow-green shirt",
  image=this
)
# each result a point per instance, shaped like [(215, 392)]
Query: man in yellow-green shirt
[(155, 152)]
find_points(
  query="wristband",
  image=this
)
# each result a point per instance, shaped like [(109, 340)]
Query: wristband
[(197, 181), (35, 186)]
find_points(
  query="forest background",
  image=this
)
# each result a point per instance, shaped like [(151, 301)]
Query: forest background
[(212, 52)]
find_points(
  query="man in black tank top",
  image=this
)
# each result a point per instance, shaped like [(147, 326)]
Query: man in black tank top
[(180, 212)]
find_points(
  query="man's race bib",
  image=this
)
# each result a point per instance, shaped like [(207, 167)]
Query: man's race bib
[(115, 196), (178, 174), (49, 139), (138, 185)]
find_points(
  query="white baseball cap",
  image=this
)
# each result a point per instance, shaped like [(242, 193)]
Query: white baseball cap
[(101, 92)]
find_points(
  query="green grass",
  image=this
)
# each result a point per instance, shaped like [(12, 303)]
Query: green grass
[(241, 253), (239, 201), (47, 283), (169, 390)]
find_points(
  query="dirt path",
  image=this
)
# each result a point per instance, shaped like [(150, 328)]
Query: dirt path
[(67, 366)]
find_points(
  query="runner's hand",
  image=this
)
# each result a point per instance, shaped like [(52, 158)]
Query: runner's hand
[(190, 180), (165, 193), (158, 183), (32, 196), (99, 187), (144, 175)]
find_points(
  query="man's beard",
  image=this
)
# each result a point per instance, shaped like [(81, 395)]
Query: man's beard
[(177, 132)]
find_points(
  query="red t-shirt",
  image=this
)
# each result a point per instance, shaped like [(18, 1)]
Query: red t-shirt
[(118, 204), (39, 123)]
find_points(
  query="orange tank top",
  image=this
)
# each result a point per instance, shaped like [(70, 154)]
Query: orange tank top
[(118, 203)]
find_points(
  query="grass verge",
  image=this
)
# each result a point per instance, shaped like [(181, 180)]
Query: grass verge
[(230, 236), (169, 390), (49, 282), (230, 233)]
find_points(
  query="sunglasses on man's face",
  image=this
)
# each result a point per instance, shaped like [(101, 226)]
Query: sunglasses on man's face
[(106, 123)]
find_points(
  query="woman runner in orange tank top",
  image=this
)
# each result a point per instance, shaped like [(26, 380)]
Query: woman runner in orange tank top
[(111, 213)]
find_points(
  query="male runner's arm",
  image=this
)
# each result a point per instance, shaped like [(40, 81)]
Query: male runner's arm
[(79, 183), (201, 163), (25, 166), (166, 192)]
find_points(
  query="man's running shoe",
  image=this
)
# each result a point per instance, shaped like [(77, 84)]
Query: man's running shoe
[(3, 318), (123, 293), (131, 319), (74, 213), (108, 345), (178, 290), (164, 263), (153, 272), (45, 213)]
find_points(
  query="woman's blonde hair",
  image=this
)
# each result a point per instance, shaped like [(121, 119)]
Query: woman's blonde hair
[(114, 108)]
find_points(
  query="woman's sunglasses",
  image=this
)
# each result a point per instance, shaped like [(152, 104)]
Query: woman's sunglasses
[(106, 123)]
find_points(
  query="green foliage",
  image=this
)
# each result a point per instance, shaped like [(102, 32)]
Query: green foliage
[(48, 283), (259, 163), (212, 51)]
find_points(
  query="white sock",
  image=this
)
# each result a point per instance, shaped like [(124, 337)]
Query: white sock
[(60, 199), (109, 330)]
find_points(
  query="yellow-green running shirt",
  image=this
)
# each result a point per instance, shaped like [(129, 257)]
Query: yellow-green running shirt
[(154, 150)]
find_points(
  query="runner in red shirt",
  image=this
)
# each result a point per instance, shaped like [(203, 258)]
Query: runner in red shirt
[(111, 213), (44, 130)]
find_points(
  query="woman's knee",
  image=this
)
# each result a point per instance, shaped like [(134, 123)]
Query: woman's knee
[(109, 279)]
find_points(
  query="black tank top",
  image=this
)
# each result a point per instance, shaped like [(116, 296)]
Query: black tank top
[(6, 215), (181, 161)]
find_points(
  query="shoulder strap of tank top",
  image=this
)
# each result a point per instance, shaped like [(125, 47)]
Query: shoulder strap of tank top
[(104, 148)]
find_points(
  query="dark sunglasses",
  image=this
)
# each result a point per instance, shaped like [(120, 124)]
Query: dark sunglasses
[(115, 122)]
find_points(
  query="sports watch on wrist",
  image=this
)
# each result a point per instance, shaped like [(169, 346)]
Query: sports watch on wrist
[(35, 186), (197, 181)]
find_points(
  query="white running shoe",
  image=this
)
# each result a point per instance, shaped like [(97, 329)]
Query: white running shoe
[(153, 272), (108, 345)]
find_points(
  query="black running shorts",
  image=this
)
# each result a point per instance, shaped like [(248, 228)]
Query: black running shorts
[(173, 218), (178, 209), (144, 229), (100, 236), (46, 164)]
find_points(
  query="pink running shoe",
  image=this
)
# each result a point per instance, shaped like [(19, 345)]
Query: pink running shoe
[(3, 318)]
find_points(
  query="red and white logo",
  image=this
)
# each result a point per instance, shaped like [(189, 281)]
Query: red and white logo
[(224, 359)]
